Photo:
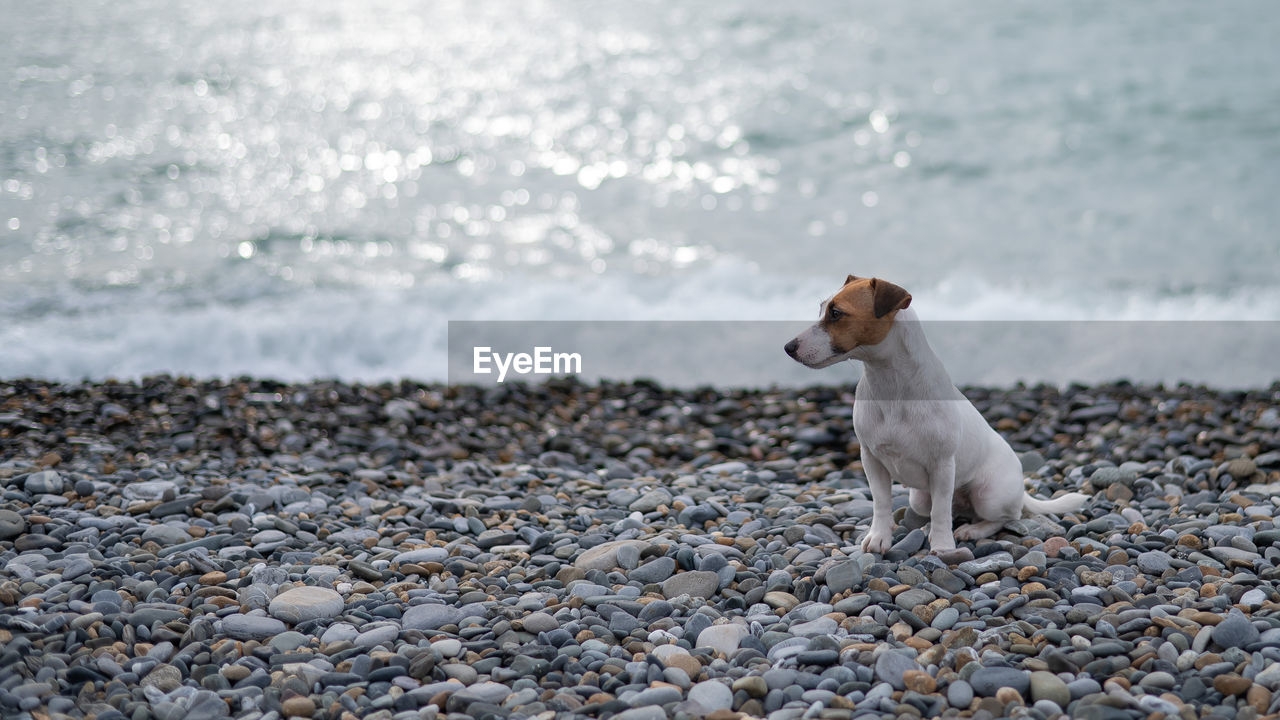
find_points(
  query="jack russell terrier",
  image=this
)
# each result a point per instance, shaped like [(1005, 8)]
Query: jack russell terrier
[(914, 425)]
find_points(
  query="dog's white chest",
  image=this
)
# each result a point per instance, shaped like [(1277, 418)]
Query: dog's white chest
[(888, 435)]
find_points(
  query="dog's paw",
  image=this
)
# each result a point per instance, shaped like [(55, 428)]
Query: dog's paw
[(877, 542)]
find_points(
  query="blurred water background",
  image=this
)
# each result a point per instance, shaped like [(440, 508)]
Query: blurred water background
[(314, 189)]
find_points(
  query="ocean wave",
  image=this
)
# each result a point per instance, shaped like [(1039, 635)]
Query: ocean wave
[(385, 334)]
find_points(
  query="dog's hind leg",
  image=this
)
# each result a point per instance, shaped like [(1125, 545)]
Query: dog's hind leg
[(994, 504), (978, 530)]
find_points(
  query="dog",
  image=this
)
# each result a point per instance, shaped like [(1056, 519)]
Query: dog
[(914, 425)]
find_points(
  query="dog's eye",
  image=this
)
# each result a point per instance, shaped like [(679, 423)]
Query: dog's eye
[(834, 313)]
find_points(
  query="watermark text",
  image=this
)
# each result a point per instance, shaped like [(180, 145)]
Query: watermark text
[(542, 361)]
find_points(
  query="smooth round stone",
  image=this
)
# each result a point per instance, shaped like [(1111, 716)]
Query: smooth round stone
[(324, 573), (628, 556), (1253, 598), (298, 706), (165, 535), (778, 678), (820, 626), (430, 616), (605, 556), (676, 676), (265, 537), (753, 685), (540, 622), (462, 673), (252, 627), (1158, 680), (288, 641), (1107, 476), (447, 648), (1235, 631), (44, 482), (1154, 562), (1047, 708), (339, 632), (11, 524), (959, 694), (107, 597), (163, 678), (304, 603), (1047, 686), (654, 571), (844, 576), (377, 636), (945, 619), (891, 666), (908, 599), (778, 599), (421, 555), (648, 712), (987, 680), (490, 692), (694, 583), (712, 695), (584, 589), (722, 638)]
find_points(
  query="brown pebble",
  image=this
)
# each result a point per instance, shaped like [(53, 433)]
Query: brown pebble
[(1118, 493), (217, 577), (1259, 698), (1205, 618), (1231, 684), (687, 663), (919, 681), (298, 706), (1008, 695), (838, 702), (1116, 682), (1054, 545), (1206, 660), (992, 706)]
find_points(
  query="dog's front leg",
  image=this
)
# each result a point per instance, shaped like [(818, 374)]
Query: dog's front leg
[(942, 490), (880, 537)]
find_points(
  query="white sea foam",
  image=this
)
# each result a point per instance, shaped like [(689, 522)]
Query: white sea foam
[(377, 335)]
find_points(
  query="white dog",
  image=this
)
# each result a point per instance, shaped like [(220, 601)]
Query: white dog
[(914, 425)]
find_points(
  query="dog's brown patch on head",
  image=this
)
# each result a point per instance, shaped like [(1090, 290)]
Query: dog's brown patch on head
[(862, 313)]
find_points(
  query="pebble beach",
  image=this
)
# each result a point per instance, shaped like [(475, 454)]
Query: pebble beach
[(173, 549)]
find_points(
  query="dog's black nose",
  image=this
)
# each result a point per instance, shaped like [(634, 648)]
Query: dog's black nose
[(792, 347)]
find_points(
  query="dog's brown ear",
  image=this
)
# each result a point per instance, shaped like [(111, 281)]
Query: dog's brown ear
[(851, 278), (888, 297)]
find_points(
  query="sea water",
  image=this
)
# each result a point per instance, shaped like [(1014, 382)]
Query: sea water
[(316, 189)]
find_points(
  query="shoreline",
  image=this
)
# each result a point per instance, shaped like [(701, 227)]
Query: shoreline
[(182, 548)]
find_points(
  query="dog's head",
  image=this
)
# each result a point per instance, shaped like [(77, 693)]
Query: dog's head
[(859, 315)]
